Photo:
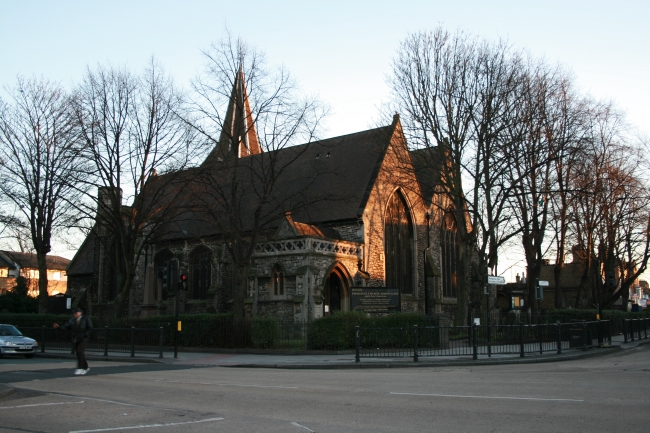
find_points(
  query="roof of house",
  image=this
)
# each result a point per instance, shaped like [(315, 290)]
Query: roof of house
[(28, 260)]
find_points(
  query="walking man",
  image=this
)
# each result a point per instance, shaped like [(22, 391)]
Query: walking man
[(81, 326)]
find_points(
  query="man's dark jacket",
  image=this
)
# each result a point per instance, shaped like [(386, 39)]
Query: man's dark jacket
[(80, 331)]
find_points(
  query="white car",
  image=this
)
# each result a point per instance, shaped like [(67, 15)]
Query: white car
[(12, 342)]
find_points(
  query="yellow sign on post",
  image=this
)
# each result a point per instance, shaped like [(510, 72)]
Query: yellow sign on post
[(178, 325)]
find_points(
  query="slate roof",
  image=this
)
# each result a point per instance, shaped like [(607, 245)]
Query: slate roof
[(83, 261), (427, 164), (327, 181), (28, 260)]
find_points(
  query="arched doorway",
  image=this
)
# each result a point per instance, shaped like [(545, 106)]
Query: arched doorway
[(335, 295)]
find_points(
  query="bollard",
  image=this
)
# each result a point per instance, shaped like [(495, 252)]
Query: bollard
[(160, 344), (638, 327), (559, 338), (609, 331), (356, 343), (521, 340), (132, 341), (540, 336), (584, 335), (489, 339), (415, 343), (474, 344), (624, 331), (631, 328), (43, 340), (106, 341), (600, 334)]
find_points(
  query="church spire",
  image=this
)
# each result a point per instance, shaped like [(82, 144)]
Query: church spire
[(238, 136)]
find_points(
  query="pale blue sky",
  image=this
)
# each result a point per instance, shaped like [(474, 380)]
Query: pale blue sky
[(340, 50)]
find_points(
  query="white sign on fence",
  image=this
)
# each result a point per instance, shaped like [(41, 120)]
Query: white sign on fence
[(499, 281), (543, 283)]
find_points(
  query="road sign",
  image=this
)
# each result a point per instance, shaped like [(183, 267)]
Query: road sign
[(499, 281), (543, 283)]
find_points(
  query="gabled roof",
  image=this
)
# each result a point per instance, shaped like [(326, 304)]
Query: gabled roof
[(427, 164), (83, 261), (28, 260), (291, 229), (324, 181)]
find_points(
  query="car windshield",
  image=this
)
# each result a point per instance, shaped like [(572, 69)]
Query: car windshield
[(9, 331)]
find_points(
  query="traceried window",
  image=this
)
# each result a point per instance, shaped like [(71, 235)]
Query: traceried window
[(200, 272), (398, 243), (450, 250), (277, 279)]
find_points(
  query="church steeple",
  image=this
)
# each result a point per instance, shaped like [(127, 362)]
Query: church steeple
[(238, 136)]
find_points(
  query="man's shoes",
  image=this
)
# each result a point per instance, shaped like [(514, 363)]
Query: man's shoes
[(78, 371), (84, 371)]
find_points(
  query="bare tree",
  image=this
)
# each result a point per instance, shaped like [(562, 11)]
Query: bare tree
[(237, 187), (39, 158), (132, 134), (456, 95), (537, 140), (612, 216)]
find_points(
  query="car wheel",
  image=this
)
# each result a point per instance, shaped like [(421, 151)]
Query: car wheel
[(29, 355)]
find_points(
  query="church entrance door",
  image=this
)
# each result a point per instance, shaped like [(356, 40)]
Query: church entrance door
[(335, 293)]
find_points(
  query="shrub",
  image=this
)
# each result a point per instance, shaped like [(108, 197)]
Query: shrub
[(336, 332), (17, 300), (263, 332)]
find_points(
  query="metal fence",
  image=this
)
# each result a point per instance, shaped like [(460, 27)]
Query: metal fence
[(103, 340), (635, 329), (478, 340)]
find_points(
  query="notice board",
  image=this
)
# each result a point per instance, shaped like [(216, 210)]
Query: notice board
[(375, 300)]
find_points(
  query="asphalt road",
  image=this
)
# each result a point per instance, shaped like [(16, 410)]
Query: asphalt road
[(604, 394)]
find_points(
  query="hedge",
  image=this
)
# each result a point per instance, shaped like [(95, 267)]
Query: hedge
[(336, 331)]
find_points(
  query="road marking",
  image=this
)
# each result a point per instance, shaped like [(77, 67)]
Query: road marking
[(487, 396), (169, 424), (40, 404), (118, 402), (302, 426), (227, 384)]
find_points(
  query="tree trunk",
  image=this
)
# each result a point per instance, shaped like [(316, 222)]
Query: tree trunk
[(124, 295), (42, 283), (560, 302), (239, 292)]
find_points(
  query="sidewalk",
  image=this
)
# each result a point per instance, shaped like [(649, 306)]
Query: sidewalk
[(346, 360)]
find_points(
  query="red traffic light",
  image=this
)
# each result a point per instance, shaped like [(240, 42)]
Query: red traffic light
[(183, 278)]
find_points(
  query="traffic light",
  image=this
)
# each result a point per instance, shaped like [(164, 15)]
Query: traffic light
[(183, 282)]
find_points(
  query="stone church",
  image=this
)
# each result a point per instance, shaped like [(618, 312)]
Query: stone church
[(381, 222)]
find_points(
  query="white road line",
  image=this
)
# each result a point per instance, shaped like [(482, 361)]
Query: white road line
[(302, 426), (169, 424), (40, 404), (227, 384), (118, 402), (487, 396)]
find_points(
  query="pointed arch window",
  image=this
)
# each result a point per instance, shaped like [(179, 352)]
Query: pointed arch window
[(398, 245), (450, 252), (277, 277), (200, 272)]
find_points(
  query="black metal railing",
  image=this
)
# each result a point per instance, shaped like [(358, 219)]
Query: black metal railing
[(475, 340), (635, 329), (103, 340)]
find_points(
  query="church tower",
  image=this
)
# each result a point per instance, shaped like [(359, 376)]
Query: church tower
[(238, 136)]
